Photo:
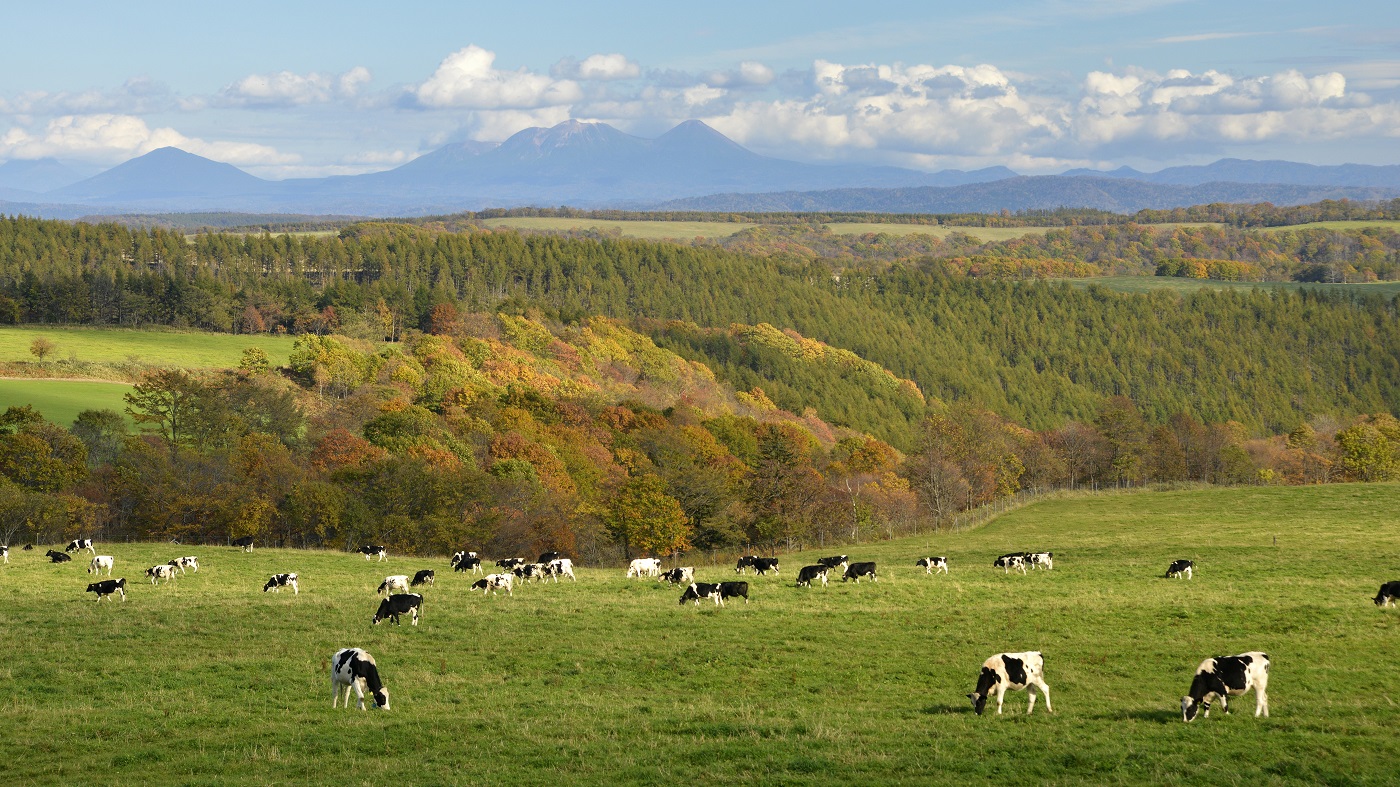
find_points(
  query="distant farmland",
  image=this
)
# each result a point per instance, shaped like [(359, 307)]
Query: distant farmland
[(60, 401), (190, 350)]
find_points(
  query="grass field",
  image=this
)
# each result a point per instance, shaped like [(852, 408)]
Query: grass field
[(187, 349), (1337, 225), (60, 401), (646, 230), (610, 681), (1134, 284)]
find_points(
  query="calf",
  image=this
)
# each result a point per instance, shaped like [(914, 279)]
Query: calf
[(549, 557), (398, 604), (493, 582), (1016, 560), (1180, 568), (78, 544), (1389, 592), (1224, 675), (933, 564), (857, 570), (391, 584), (679, 576), (644, 567), (374, 550), (183, 563), (1011, 671), (745, 562), (107, 587), (279, 581), (100, 562), (809, 573), (425, 577), (762, 565), (509, 563), (733, 590), (562, 567), (57, 557), (699, 590), (354, 668), (163, 571), (1040, 560), (246, 542), (833, 562), (472, 564)]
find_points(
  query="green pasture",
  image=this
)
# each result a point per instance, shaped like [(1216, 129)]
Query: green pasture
[(610, 681), (1339, 225), (984, 234), (156, 347), (1137, 284), (60, 401), (646, 230)]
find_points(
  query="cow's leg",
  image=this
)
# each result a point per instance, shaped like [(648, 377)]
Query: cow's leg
[(1044, 692), (1030, 698), (1261, 702), (415, 616), (1001, 695)]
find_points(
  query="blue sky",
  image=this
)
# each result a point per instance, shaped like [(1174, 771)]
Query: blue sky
[(286, 89)]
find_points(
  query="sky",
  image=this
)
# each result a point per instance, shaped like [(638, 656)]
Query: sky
[(309, 89)]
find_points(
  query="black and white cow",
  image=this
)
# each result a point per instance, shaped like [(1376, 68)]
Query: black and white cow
[(562, 567), (163, 571), (1007, 671), (699, 590), (78, 544), (745, 562), (374, 550), (188, 562), (1180, 568), (833, 562), (1228, 675), (425, 577), (1016, 560), (1387, 595), (57, 557), (472, 564), (100, 562), (354, 668), (678, 576), (530, 571), (733, 590), (459, 556), (1043, 560), (509, 563), (107, 587), (246, 543), (395, 583), (494, 582), (762, 565), (808, 573), (5, 552), (279, 581), (857, 570), (549, 557), (933, 564), (399, 604)]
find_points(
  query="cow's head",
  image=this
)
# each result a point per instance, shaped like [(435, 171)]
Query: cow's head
[(1189, 708), (1381, 599), (979, 701), (381, 699), (92, 588)]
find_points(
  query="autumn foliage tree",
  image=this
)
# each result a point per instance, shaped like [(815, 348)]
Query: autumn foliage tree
[(646, 520)]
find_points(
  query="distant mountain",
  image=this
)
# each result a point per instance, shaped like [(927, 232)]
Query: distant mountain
[(37, 176), (1045, 192), (161, 175), (1232, 170)]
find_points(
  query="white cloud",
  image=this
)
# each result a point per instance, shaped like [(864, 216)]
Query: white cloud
[(286, 88), (497, 125), (467, 79), (138, 95), (113, 138), (597, 68)]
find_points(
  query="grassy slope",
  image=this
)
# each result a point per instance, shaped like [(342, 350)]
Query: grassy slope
[(1338, 225), (1136, 284), (647, 230), (610, 681), (192, 349), (60, 401)]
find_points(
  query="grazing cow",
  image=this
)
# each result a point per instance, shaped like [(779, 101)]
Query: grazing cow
[(279, 581), (80, 544), (933, 564), (1224, 675), (1011, 671), (833, 562), (354, 668), (374, 550), (857, 570), (699, 590), (1180, 568), (163, 571), (562, 567), (1016, 560), (183, 563), (809, 573), (530, 571), (28, 548), (399, 604), (762, 565), (509, 563), (472, 564), (107, 587), (246, 542), (493, 582), (1389, 592), (57, 557), (100, 562), (425, 577), (733, 590), (678, 576), (644, 567), (5, 552), (549, 557), (1039, 560), (745, 562), (392, 584), (459, 556)]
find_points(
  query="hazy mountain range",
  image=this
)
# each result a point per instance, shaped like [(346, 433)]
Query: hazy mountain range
[(692, 166)]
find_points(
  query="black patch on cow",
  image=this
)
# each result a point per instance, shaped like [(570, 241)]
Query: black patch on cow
[(1231, 671), (1015, 670)]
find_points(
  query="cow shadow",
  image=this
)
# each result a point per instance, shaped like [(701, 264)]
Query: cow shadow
[(1157, 716), (942, 709)]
